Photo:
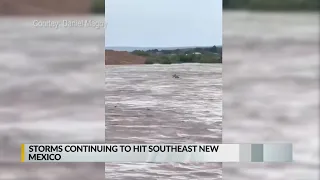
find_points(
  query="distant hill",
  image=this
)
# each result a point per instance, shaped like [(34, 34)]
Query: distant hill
[(122, 58), (44, 7)]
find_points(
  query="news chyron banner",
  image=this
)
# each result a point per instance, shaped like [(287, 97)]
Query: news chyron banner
[(156, 153)]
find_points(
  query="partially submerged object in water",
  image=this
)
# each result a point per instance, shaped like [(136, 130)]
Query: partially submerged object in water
[(175, 76)]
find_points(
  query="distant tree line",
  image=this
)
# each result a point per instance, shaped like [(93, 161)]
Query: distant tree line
[(98, 6), (213, 49), (188, 55), (272, 5)]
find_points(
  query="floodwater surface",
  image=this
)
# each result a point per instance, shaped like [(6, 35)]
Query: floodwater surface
[(52, 83), (271, 90), (145, 104)]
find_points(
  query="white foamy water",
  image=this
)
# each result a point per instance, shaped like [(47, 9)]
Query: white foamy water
[(51, 92), (144, 104), (271, 87)]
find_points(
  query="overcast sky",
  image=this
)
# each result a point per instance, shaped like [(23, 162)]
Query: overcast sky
[(163, 23)]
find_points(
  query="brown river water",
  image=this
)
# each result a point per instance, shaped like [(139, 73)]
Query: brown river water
[(52, 91), (271, 90), (144, 104)]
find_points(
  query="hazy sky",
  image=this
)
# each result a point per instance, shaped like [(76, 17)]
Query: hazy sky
[(163, 23)]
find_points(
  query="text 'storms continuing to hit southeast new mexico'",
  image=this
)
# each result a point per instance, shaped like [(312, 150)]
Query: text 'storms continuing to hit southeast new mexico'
[(122, 148), (54, 152)]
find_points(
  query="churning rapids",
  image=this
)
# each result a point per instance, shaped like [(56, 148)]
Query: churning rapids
[(144, 104)]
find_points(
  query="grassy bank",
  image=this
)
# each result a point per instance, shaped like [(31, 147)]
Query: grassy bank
[(98, 6), (187, 55), (272, 5)]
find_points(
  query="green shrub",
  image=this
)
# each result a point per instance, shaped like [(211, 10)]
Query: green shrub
[(140, 53), (165, 61), (174, 59), (210, 59), (186, 58), (98, 7), (272, 5), (149, 61)]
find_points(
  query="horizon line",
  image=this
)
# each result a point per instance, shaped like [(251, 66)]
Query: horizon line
[(158, 46)]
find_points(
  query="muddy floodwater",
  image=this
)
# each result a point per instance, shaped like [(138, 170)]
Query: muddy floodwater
[(271, 90), (52, 83), (145, 104)]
